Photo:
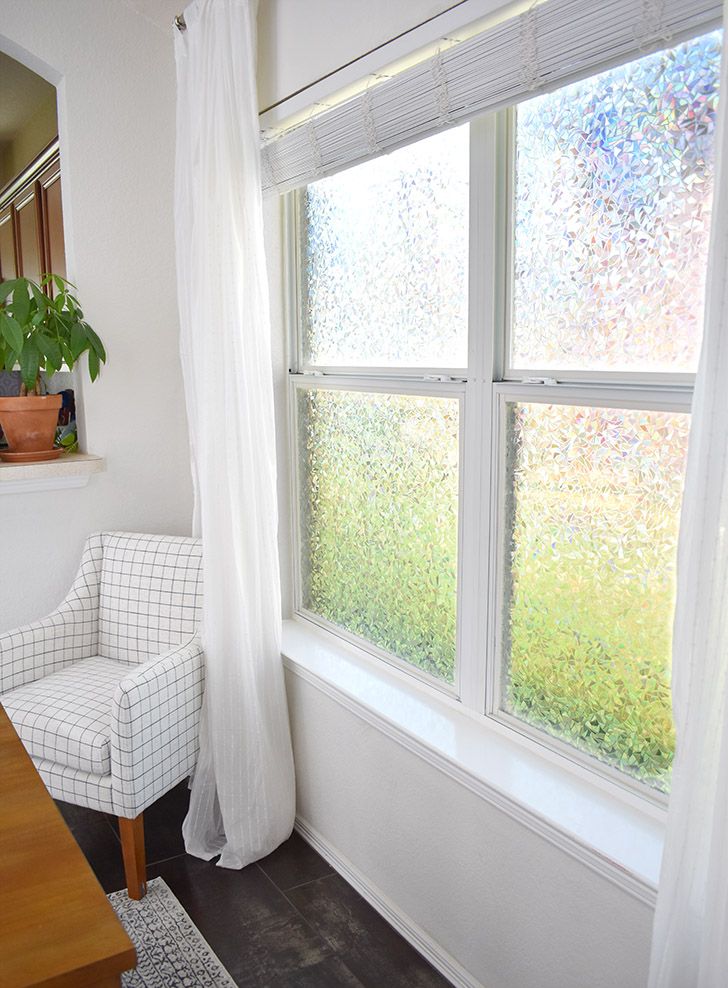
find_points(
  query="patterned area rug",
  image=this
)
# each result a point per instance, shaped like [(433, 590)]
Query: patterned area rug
[(171, 951)]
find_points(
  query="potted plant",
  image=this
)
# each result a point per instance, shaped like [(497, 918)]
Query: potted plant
[(40, 334)]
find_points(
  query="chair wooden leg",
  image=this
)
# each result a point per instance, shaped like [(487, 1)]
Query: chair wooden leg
[(135, 860)]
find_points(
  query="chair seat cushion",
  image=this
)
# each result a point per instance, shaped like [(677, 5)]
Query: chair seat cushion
[(65, 717)]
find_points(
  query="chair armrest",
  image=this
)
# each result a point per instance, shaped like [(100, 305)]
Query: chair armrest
[(38, 649), (155, 720), (68, 634)]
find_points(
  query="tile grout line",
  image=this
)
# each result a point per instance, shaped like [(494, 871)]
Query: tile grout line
[(172, 857), (292, 888), (293, 906)]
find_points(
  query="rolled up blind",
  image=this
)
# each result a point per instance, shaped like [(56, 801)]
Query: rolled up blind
[(549, 45)]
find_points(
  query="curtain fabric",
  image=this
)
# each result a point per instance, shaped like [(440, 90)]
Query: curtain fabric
[(690, 939), (242, 801)]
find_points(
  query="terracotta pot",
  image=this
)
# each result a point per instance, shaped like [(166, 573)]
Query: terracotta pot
[(29, 423)]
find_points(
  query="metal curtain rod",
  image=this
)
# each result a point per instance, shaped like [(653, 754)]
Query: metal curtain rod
[(179, 22)]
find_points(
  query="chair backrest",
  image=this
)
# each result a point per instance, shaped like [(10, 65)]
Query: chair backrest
[(150, 596)]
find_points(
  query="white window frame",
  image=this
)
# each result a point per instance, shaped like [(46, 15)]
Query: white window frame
[(370, 385), (482, 388)]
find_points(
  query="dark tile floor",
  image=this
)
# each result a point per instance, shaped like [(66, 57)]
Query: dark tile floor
[(288, 920)]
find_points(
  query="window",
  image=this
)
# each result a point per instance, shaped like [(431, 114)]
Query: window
[(384, 276), (498, 334)]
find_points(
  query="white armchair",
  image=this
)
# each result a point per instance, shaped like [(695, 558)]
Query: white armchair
[(106, 691)]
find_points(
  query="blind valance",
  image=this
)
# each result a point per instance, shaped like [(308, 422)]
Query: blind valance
[(552, 43)]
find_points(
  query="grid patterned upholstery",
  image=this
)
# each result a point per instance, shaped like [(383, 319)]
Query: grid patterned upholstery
[(106, 692), (66, 717), (150, 597), (70, 633)]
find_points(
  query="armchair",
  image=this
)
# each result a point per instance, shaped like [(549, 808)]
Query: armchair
[(106, 691)]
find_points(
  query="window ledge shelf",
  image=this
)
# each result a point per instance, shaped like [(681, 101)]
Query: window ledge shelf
[(69, 470), (618, 835)]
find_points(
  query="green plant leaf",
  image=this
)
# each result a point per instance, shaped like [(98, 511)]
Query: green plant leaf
[(21, 301), (11, 332), (6, 288), (97, 345), (78, 342), (51, 351), (43, 331), (30, 360), (93, 365), (39, 296)]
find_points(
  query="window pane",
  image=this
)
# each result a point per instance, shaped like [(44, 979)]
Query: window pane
[(385, 259), (614, 183), (379, 516), (591, 525)]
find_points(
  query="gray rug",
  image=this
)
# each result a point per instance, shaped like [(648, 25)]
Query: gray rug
[(171, 951)]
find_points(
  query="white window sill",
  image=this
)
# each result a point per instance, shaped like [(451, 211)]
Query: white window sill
[(617, 834), (69, 470)]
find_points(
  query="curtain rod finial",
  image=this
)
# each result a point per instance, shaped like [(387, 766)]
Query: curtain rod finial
[(179, 22)]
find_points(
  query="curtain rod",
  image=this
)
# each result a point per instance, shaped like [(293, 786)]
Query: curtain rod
[(179, 22)]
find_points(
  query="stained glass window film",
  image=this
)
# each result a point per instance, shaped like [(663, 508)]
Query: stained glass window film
[(614, 186), (378, 483), (385, 259), (592, 514)]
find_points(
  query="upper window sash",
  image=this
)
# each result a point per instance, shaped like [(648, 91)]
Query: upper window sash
[(610, 215), (383, 265)]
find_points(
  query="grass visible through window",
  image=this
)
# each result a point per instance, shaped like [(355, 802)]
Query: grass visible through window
[(593, 515)]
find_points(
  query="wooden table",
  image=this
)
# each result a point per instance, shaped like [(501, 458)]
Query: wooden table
[(57, 928)]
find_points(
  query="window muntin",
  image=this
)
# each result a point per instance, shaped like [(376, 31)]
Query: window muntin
[(385, 260), (614, 183), (378, 487), (591, 516)]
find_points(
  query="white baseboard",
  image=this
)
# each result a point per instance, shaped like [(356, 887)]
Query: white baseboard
[(406, 927)]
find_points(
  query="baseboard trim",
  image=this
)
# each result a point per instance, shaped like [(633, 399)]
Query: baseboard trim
[(422, 942)]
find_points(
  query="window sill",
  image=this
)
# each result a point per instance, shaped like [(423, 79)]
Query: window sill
[(617, 834), (69, 470)]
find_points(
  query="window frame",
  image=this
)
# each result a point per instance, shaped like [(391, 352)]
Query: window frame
[(483, 387), (649, 399), (512, 372), (436, 389)]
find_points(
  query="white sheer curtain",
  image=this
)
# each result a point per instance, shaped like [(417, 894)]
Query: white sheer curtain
[(690, 940), (242, 803)]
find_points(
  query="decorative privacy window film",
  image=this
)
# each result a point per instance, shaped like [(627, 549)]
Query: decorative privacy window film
[(593, 499), (385, 259), (614, 183), (378, 477)]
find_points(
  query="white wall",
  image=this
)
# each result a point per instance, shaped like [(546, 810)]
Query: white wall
[(114, 65), (301, 40), (511, 908)]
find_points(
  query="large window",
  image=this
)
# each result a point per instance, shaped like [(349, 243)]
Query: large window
[(498, 334)]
